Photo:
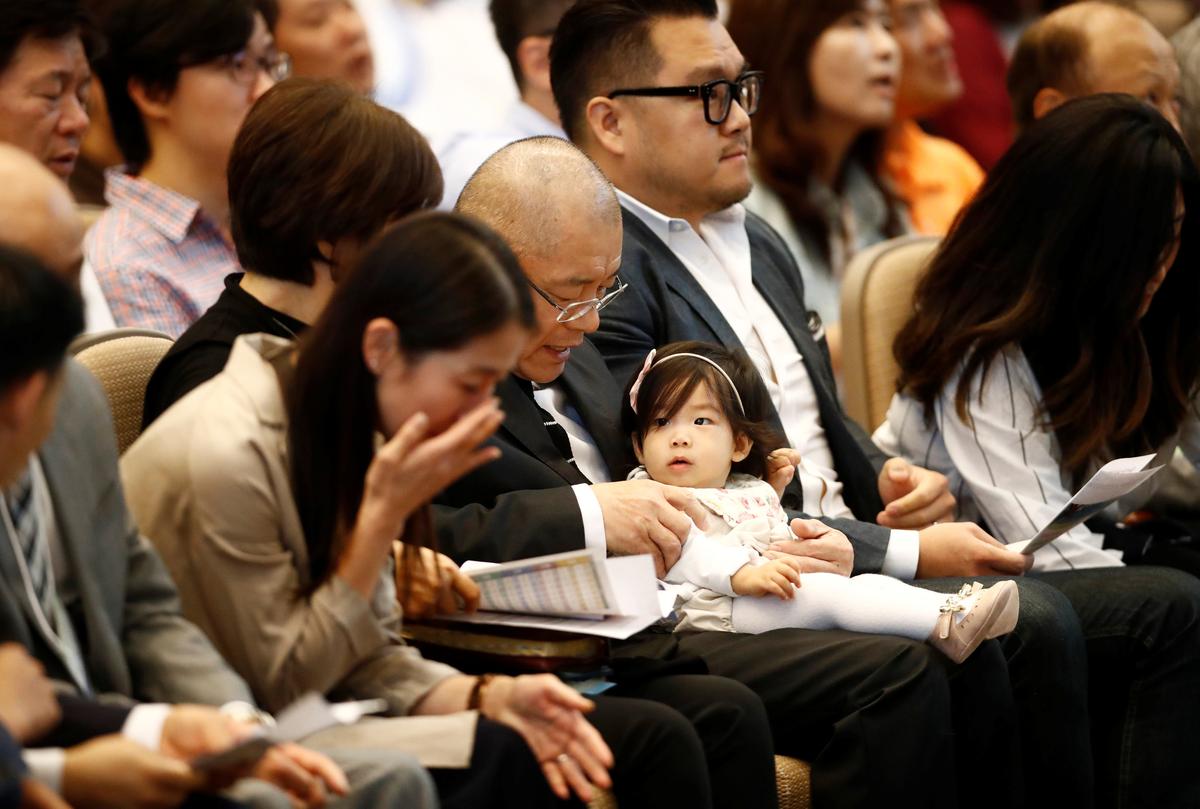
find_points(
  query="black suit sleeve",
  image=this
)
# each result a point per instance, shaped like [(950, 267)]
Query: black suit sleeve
[(12, 770), (874, 454), (83, 719), (517, 525)]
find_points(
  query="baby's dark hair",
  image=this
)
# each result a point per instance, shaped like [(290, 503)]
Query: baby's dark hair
[(667, 386)]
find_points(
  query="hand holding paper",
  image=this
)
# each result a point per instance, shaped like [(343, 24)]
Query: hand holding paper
[(1114, 480), (304, 717)]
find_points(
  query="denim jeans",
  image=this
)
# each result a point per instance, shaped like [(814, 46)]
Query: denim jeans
[(1105, 672), (1141, 626), (1047, 668)]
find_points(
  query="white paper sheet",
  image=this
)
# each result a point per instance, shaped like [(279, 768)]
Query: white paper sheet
[(626, 583), (307, 715), (1114, 480), (575, 583)]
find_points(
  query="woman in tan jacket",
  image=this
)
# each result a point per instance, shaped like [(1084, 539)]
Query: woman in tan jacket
[(276, 505)]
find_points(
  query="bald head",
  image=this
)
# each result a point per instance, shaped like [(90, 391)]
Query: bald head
[(37, 213), (561, 217), (1087, 48), (535, 191)]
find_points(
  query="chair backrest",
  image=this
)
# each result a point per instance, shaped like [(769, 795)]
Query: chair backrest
[(123, 360), (877, 294)]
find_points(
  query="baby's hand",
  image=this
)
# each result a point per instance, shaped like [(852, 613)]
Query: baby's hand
[(779, 577), (781, 468)]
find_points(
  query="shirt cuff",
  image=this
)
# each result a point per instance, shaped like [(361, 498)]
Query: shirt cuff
[(144, 724), (593, 518), (903, 553), (46, 765)]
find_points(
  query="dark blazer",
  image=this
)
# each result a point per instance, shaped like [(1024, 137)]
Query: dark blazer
[(521, 505), (665, 304), (83, 719), (12, 770), (135, 640)]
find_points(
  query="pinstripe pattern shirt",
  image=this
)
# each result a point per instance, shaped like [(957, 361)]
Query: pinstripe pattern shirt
[(1003, 464), (160, 260)]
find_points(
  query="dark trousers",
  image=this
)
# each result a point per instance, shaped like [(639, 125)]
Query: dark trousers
[(1047, 665), (873, 714), (1141, 627), (1105, 671), (662, 753)]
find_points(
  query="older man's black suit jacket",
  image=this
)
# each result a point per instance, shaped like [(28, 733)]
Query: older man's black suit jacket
[(522, 505)]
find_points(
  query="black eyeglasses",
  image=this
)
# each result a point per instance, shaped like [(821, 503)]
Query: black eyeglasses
[(718, 95)]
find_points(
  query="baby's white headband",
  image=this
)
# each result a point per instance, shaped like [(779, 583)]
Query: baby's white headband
[(650, 365)]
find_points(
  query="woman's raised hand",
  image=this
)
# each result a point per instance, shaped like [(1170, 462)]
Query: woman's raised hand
[(410, 469), (550, 717), (405, 474)]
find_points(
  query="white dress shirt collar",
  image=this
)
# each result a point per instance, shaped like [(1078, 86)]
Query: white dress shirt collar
[(663, 226)]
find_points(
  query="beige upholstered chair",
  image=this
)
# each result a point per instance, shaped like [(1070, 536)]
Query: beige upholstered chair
[(877, 297), (792, 778), (123, 359)]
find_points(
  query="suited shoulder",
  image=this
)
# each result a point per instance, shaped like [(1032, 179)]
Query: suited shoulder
[(638, 247)]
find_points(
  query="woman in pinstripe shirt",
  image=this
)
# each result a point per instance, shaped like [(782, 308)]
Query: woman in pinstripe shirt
[(1053, 330)]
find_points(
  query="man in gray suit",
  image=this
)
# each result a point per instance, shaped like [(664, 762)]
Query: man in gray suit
[(92, 601)]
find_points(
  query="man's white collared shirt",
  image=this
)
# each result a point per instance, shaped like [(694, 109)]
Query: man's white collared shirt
[(718, 257)]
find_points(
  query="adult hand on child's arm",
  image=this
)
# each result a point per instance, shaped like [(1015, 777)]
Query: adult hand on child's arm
[(781, 468), (778, 577), (818, 548), (642, 516)]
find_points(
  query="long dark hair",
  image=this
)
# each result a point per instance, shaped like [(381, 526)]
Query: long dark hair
[(667, 387), (1054, 254), (778, 36), (444, 280)]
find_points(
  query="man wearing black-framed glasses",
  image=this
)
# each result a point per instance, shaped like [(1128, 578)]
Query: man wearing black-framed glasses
[(718, 95), (661, 97)]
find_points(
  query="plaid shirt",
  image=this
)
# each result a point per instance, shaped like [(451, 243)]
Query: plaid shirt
[(159, 259)]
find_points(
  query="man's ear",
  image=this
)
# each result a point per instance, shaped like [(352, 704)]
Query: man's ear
[(741, 448), (606, 124), (151, 101), (19, 402), (533, 60), (1047, 100)]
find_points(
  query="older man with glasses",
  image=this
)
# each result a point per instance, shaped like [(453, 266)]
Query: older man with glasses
[(840, 699)]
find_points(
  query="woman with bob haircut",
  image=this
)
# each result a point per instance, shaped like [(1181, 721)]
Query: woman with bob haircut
[(280, 492), (316, 171), (832, 68), (1055, 329)]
